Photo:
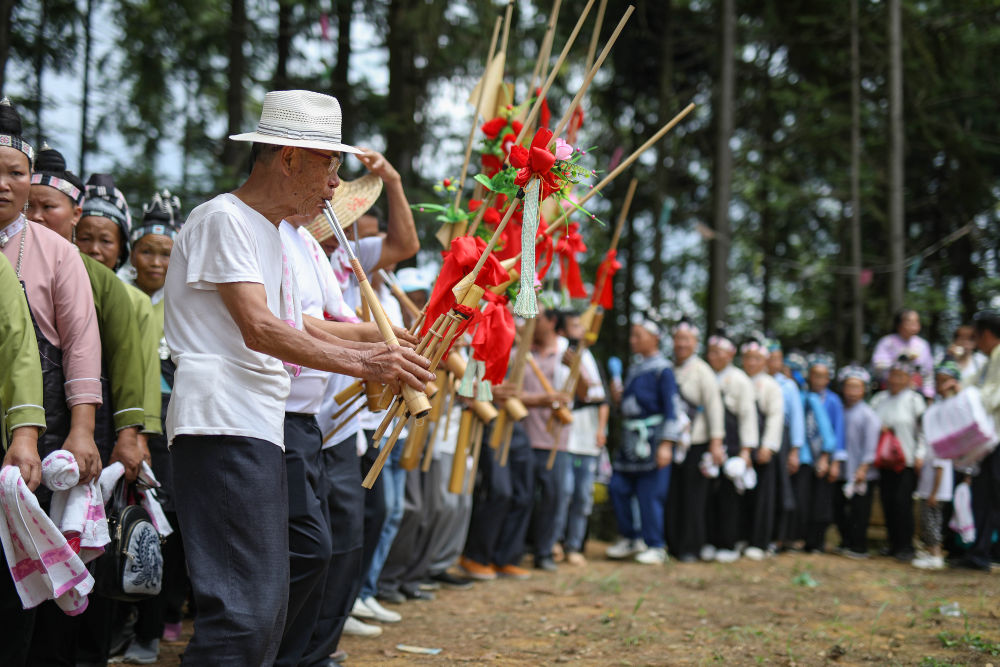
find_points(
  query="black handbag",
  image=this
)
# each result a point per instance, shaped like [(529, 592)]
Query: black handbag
[(131, 567)]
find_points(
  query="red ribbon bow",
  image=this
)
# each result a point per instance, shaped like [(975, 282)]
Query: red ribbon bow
[(606, 281), (567, 248), (536, 161), (458, 262), (494, 337)]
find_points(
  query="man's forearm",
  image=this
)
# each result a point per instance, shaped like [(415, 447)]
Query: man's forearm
[(347, 334), (273, 337)]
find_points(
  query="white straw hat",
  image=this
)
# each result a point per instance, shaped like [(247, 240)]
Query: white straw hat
[(299, 118)]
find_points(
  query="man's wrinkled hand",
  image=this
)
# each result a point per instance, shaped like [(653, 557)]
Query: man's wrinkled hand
[(395, 365)]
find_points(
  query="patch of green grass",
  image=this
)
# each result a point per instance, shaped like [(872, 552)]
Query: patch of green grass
[(970, 641), (874, 627), (929, 661), (612, 583)]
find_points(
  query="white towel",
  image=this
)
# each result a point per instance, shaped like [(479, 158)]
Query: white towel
[(42, 564), (114, 472), (77, 509)]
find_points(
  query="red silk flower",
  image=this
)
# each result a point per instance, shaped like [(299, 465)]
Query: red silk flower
[(567, 248), (606, 281), (459, 261), (493, 127), (536, 161), (494, 337)]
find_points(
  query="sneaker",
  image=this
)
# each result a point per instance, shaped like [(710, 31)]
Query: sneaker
[(707, 553), (361, 610), (856, 555), (429, 585), (755, 553), (624, 548), (412, 591), (391, 596), (929, 563), (513, 572), (449, 580), (546, 564), (576, 558), (477, 571), (727, 556), (172, 632), (356, 628), (380, 613), (652, 556), (142, 653)]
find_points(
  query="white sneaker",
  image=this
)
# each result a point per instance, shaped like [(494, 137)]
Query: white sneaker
[(380, 613), (726, 556), (707, 553), (624, 548), (929, 563), (358, 629), (652, 556), (361, 610), (755, 553)]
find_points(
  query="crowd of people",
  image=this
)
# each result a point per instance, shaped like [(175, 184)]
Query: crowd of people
[(225, 375)]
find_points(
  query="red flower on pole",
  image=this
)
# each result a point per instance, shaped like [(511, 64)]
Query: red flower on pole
[(536, 161)]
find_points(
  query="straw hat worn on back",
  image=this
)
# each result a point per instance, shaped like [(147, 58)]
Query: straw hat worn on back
[(351, 200), (299, 118)]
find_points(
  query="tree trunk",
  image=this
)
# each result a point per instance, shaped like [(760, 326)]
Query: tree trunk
[(662, 176), (857, 301), (897, 239), (718, 295), (85, 96), (283, 45), (6, 23), (403, 134), (39, 68), (340, 84), (233, 152)]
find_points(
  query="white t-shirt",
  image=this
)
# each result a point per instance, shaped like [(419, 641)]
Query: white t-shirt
[(583, 430), (319, 292), (370, 420), (369, 251), (927, 474), (221, 387)]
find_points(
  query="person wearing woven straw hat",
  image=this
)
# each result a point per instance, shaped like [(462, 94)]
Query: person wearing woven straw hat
[(235, 330)]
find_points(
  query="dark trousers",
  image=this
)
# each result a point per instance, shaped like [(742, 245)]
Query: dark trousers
[(309, 541), (405, 559), (784, 500), (345, 506), (650, 489), (896, 491), (760, 504), (548, 488), (375, 508), (501, 507), (17, 623), (232, 504), (853, 515), (686, 502), (985, 508), (723, 513), (814, 508)]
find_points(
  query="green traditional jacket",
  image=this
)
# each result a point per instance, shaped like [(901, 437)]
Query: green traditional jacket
[(21, 375), (150, 334), (121, 344)]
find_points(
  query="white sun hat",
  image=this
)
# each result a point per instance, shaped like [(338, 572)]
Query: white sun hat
[(299, 118)]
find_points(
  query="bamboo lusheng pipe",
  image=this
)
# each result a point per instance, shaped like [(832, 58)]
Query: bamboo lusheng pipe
[(484, 410), (477, 447), (458, 462), (574, 371), (505, 451), (446, 400), (545, 50), (513, 406), (349, 392), (383, 454), (593, 72), (347, 406), (416, 401), (414, 447), (587, 317), (596, 34), (346, 420), (496, 436), (562, 412)]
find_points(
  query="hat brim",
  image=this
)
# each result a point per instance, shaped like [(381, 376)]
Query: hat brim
[(351, 200), (315, 144)]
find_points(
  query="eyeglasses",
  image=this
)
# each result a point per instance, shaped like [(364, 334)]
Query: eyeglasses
[(335, 160)]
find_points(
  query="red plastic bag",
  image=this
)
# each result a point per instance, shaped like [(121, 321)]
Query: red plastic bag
[(889, 454)]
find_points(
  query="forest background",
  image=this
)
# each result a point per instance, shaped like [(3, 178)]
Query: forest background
[(844, 159)]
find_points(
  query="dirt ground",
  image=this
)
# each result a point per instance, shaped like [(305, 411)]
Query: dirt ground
[(793, 609)]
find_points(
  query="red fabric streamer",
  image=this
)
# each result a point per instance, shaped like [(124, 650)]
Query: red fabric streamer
[(567, 248), (606, 278), (544, 252), (458, 262), (544, 114), (494, 337)]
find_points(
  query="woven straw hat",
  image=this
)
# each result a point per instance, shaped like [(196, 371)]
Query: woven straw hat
[(351, 200), (299, 118)]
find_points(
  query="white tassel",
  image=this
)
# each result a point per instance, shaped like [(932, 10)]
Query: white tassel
[(525, 306)]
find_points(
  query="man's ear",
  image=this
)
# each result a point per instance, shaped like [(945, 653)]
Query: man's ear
[(288, 160)]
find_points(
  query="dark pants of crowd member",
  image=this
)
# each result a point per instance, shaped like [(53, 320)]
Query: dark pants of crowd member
[(985, 510), (814, 508), (650, 488), (345, 506), (686, 502), (232, 504), (723, 513), (310, 544), (548, 488), (759, 504), (501, 508), (896, 491), (784, 496), (375, 515), (852, 516)]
